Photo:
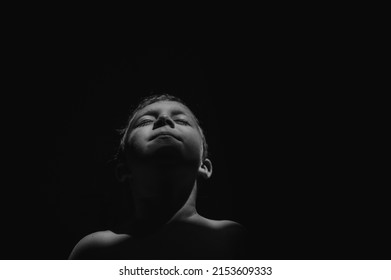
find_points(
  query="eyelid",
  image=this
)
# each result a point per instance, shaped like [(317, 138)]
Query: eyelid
[(143, 121), (177, 117), (182, 120), (146, 117)]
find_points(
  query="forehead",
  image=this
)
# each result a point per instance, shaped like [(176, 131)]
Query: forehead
[(167, 107)]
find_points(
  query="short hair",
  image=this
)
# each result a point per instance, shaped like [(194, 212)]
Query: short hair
[(124, 132)]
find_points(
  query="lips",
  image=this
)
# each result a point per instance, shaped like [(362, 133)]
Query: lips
[(165, 134)]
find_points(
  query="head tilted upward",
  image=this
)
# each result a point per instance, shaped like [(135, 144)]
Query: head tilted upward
[(162, 127), (162, 154)]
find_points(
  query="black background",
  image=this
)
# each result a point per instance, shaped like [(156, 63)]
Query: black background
[(285, 116)]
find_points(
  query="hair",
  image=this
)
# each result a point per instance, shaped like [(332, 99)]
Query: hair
[(124, 132)]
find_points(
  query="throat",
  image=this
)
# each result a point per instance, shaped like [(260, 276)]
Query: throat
[(152, 214), (161, 195)]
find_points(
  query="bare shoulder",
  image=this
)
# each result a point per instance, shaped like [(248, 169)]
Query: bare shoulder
[(233, 236), (227, 226), (91, 245), (223, 223)]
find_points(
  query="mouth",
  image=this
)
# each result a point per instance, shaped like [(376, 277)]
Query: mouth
[(165, 135)]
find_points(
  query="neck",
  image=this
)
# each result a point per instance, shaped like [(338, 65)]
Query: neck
[(163, 195), (188, 209)]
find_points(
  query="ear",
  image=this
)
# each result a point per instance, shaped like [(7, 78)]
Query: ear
[(205, 169), (122, 173)]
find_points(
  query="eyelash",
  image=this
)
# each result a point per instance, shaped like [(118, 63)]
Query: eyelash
[(182, 122), (146, 122)]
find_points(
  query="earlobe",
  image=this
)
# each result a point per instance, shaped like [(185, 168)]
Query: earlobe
[(206, 169), (122, 173)]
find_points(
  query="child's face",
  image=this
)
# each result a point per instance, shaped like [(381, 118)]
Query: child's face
[(165, 130)]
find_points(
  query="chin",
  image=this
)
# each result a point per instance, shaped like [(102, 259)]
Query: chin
[(173, 155), (167, 152)]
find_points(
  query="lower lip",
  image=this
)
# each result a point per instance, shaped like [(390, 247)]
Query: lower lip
[(165, 136)]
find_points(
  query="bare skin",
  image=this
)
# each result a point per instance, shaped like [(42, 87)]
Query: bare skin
[(192, 237), (165, 162)]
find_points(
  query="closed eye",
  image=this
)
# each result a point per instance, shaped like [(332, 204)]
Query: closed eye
[(182, 122), (144, 122)]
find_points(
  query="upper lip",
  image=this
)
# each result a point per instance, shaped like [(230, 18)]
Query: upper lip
[(165, 133)]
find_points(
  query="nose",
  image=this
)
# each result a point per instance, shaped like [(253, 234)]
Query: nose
[(162, 121)]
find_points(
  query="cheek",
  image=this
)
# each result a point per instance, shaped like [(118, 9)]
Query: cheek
[(194, 143), (137, 139)]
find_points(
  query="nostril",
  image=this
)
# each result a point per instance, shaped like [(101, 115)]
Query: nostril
[(170, 122), (164, 120)]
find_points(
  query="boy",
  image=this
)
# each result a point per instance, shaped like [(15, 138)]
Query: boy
[(162, 154)]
